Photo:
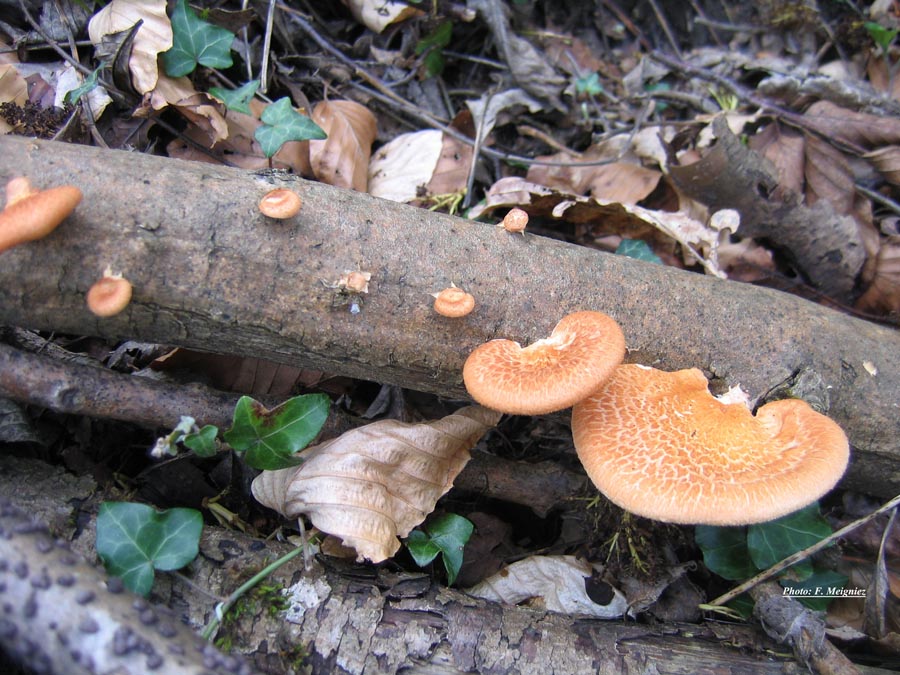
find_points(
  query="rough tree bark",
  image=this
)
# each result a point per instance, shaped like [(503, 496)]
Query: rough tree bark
[(211, 273), (342, 618)]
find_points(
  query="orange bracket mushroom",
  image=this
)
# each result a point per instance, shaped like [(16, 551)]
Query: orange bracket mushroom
[(550, 374), (660, 445), (31, 214)]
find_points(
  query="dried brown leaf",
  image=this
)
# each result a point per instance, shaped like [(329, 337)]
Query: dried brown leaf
[(342, 159), (887, 162), (883, 295), (784, 148), (623, 182), (452, 171), (860, 129), (13, 89), (828, 176), (375, 483)]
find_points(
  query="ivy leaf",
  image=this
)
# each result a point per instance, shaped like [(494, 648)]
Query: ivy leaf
[(90, 83), (446, 535), (774, 541), (281, 123), (133, 540), (195, 41), (434, 44), (237, 99), (725, 551), (272, 437), (202, 442)]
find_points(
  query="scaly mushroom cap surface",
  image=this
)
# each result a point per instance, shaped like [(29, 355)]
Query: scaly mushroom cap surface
[(659, 445), (550, 374), (31, 215)]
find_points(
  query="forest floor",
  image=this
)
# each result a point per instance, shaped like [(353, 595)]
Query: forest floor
[(611, 127)]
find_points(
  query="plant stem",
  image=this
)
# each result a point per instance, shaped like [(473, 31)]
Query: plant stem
[(211, 628)]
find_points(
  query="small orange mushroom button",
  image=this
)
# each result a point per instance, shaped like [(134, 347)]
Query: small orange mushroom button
[(109, 295), (280, 204), (31, 214), (453, 302), (550, 374), (661, 446)]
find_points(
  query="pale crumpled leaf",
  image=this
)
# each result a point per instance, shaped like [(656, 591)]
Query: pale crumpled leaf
[(883, 294), (198, 107), (376, 483), (487, 109), (376, 15), (558, 582), (399, 168), (154, 35), (342, 159)]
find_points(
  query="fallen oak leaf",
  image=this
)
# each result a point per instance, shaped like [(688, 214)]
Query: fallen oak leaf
[(376, 483)]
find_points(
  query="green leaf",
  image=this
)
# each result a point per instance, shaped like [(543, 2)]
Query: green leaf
[(133, 540), (774, 541), (281, 123), (74, 95), (725, 551), (196, 41), (882, 36), (237, 99), (434, 44), (639, 250), (271, 437), (203, 442), (589, 85), (446, 535)]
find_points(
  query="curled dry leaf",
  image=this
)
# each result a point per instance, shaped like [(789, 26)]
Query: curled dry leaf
[(883, 295), (560, 584), (342, 159), (13, 89), (154, 35), (887, 162), (376, 15), (375, 483)]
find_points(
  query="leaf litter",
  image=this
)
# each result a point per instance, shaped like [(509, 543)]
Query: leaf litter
[(582, 124)]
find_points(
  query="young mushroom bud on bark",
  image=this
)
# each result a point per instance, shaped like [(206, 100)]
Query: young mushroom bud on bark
[(31, 214), (109, 295), (355, 282), (515, 221), (453, 302), (280, 204)]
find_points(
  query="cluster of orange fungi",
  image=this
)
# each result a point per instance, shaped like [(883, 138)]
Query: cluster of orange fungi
[(659, 444), (31, 214)]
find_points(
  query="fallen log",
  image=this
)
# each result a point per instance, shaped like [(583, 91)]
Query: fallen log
[(210, 272)]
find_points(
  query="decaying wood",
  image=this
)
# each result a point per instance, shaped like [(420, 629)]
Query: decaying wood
[(340, 617), (211, 273)]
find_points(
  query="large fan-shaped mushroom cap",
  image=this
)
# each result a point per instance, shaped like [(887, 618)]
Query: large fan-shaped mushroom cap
[(659, 445)]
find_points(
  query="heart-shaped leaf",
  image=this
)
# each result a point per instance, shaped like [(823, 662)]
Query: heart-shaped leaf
[(272, 437), (202, 442), (446, 535), (133, 540), (281, 123), (195, 41)]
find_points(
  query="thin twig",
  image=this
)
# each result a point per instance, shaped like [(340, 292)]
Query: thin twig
[(801, 555), (267, 45)]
